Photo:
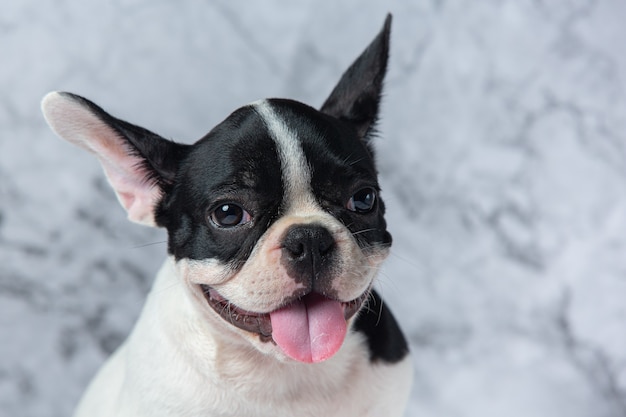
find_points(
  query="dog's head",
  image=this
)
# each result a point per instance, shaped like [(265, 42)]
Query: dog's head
[(274, 218)]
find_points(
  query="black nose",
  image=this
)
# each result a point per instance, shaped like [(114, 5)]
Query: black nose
[(308, 252)]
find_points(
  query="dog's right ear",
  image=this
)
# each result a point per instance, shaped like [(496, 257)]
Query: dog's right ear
[(139, 164)]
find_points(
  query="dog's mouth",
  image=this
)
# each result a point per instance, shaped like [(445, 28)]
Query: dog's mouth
[(246, 320), (309, 329)]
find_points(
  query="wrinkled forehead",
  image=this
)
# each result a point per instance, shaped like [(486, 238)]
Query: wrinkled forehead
[(281, 143)]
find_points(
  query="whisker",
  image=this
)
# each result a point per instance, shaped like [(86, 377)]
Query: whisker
[(367, 305), (346, 159), (149, 244), (358, 232), (350, 162), (356, 161), (167, 288), (380, 311), (385, 283), (407, 261)]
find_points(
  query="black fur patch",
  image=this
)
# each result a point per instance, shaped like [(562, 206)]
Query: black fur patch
[(384, 337), (237, 162)]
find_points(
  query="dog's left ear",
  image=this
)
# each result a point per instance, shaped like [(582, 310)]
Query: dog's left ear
[(355, 99), (140, 165)]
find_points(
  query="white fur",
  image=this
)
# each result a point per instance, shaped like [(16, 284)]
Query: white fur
[(175, 363)]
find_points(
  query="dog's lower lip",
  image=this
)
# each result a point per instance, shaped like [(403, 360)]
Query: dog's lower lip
[(252, 322), (260, 323)]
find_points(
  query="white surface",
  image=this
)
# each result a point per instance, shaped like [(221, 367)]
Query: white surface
[(502, 155)]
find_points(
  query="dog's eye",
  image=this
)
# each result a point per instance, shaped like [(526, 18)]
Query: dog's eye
[(363, 201), (230, 215)]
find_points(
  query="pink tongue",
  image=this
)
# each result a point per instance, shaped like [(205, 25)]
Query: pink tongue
[(311, 329)]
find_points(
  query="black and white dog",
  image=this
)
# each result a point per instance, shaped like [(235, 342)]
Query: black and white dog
[(276, 232)]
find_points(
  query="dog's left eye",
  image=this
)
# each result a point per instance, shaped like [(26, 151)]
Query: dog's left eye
[(230, 215), (362, 201)]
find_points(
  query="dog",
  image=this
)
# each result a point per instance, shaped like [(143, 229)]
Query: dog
[(276, 232)]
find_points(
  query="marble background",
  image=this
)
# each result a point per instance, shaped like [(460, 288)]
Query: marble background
[(503, 162)]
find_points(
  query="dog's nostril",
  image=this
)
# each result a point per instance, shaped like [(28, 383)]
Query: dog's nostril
[(296, 250), (326, 244)]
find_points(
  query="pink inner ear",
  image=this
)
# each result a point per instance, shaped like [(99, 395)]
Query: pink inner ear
[(127, 199), (77, 124), (134, 193)]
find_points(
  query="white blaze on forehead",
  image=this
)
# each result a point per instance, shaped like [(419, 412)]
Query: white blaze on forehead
[(296, 172)]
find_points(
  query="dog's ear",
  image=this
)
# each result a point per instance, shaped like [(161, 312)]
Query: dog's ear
[(355, 99), (139, 164)]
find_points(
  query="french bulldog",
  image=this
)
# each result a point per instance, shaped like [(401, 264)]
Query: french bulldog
[(276, 232)]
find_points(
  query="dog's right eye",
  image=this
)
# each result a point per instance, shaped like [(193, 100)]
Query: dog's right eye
[(229, 215)]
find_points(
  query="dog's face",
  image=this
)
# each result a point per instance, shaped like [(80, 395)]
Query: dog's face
[(266, 214), (274, 218)]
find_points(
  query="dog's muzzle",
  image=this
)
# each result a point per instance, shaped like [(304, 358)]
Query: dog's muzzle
[(311, 323)]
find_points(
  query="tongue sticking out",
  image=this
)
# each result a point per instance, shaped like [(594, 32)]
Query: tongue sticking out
[(311, 329)]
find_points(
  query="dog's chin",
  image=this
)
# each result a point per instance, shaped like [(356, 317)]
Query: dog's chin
[(260, 323)]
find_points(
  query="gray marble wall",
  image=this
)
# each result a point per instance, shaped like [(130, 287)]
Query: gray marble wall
[(503, 157)]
